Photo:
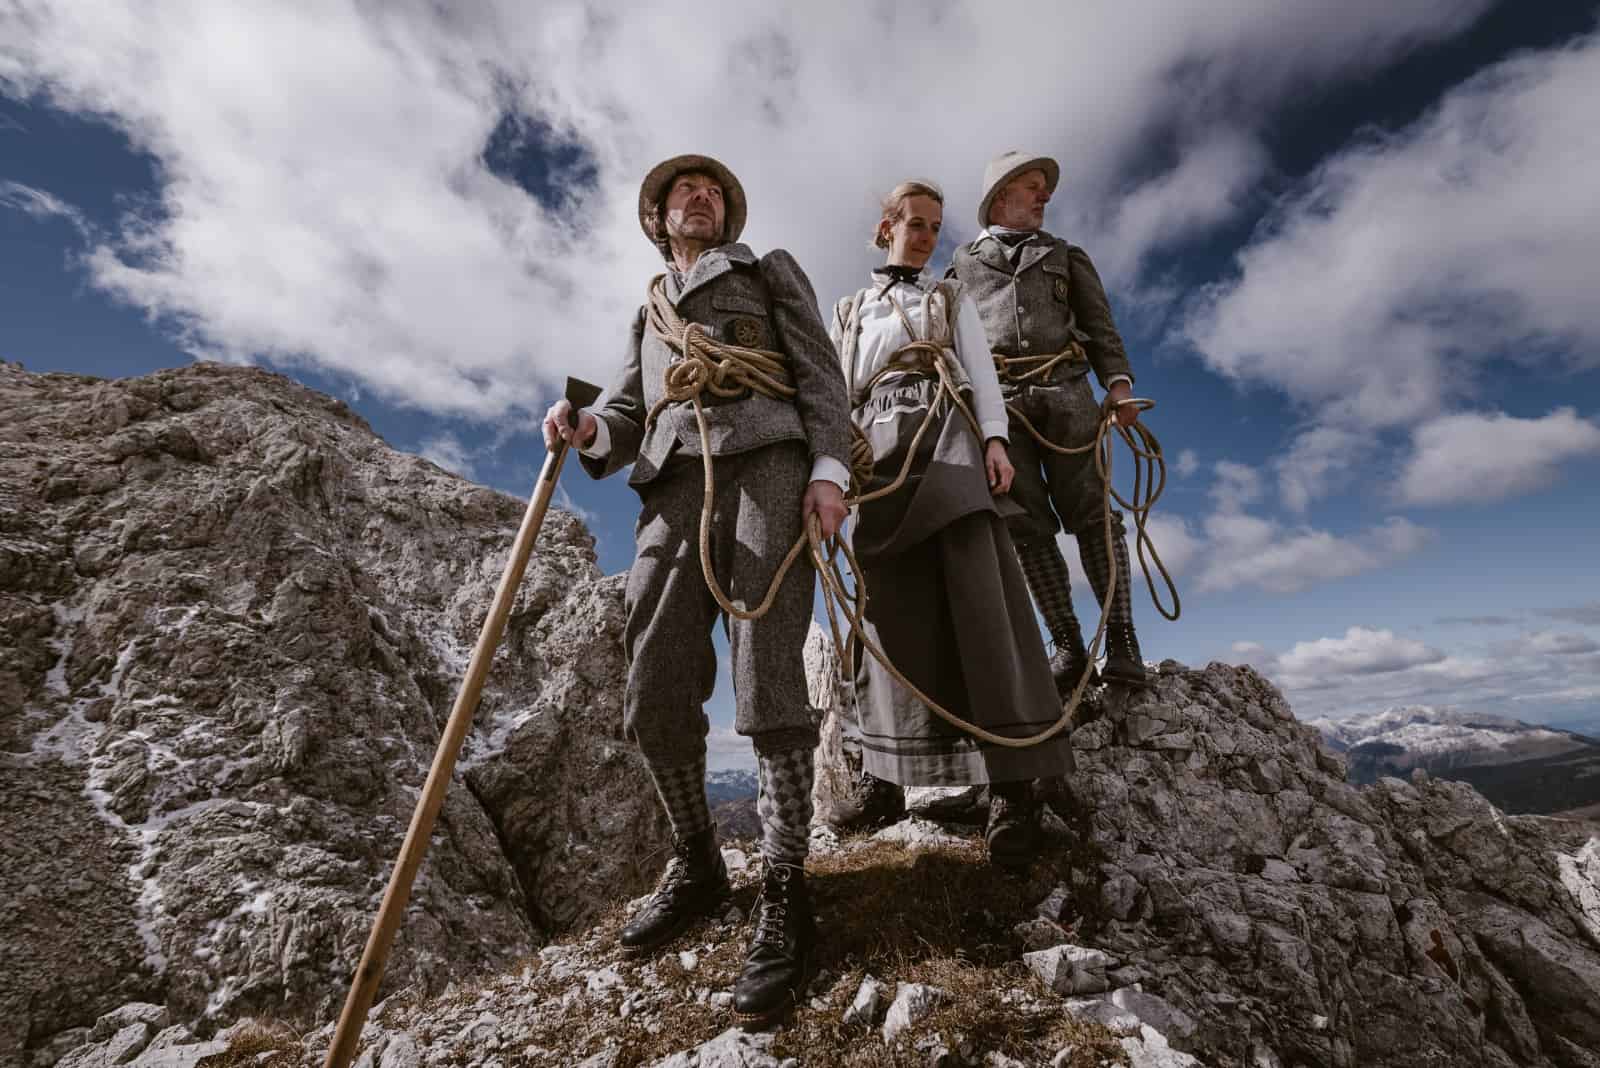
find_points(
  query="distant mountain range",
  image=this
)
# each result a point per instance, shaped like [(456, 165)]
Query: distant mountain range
[(1521, 767), (732, 795), (731, 784)]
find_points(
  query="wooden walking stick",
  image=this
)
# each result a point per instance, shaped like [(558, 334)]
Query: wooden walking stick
[(370, 971)]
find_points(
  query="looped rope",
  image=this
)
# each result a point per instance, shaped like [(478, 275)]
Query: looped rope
[(729, 370), (1011, 368)]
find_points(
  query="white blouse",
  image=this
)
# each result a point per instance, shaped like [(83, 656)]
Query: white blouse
[(882, 333)]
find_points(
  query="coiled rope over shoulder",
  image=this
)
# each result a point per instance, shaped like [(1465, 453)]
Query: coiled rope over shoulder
[(726, 370)]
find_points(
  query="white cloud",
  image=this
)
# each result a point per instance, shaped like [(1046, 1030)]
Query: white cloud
[(1244, 551), (1319, 461), (1361, 651), (1473, 457), (1372, 668), (1551, 643), (1378, 290), (1188, 463), (725, 749), (448, 452), (1231, 550), (324, 200), (1236, 486), (38, 204)]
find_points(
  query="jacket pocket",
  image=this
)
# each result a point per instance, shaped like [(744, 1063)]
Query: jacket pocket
[(732, 302), (742, 320), (1059, 279)]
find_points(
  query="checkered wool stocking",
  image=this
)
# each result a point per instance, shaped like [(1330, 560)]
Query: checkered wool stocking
[(1051, 585), (683, 795), (784, 805), (1092, 552)]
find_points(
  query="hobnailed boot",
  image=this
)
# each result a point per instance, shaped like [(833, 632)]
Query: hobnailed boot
[(1013, 831), (693, 885), (777, 964), (1071, 659), (869, 802), (1124, 663)]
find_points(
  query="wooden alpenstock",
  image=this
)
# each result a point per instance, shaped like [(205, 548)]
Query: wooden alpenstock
[(370, 971)]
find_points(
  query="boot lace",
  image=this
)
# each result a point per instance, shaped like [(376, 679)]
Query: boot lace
[(772, 907)]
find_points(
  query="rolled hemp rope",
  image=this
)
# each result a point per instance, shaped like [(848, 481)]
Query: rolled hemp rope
[(706, 365)]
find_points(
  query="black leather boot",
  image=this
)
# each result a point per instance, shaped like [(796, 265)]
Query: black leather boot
[(869, 802), (777, 966), (694, 884), (1071, 659), (1013, 831), (1124, 663)]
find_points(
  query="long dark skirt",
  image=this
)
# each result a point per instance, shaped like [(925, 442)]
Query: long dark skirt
[(948, 603)]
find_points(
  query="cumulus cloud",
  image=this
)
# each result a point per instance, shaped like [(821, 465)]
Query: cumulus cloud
[(1244, 551), (1361, 651), (1187, 464), (1318, 461), (1551, 643), (1371, 668), (726, 750), (328, 198), (1378, 290), (1236, 485), (1478, 621), (1473, 457)]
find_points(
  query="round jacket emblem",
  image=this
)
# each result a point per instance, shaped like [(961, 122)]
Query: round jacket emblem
[(747, 332), (1061, 289)]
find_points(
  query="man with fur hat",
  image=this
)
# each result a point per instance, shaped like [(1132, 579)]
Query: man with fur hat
[(1048, 323), (779, 458)]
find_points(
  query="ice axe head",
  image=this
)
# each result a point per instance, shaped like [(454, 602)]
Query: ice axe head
[(580, 394)]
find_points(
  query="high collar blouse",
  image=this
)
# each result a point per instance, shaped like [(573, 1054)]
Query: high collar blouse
[(882, 333)]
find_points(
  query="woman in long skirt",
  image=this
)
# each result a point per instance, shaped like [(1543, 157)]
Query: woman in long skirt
[(947, 600)]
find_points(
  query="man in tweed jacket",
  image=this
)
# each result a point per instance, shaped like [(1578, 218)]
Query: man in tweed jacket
[(777, 462), (1037, 295)]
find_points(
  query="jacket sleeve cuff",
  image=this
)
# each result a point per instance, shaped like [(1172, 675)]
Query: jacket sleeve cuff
[(1114, 379), (996, 428), (827, 469), (600, 447)]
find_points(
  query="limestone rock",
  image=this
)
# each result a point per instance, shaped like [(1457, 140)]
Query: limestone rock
[(912, 1002), (234, 622)]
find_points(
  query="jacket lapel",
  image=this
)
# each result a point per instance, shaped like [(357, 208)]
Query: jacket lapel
[(991, 253)]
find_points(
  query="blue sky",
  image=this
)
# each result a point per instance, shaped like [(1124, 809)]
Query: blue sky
[(1349, 247)]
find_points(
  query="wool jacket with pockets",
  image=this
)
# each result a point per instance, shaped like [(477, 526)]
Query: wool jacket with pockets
[(765, 303), (1049, 298)]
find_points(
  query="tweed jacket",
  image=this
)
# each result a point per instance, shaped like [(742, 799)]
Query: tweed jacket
[(765, 303), (1051, 297)]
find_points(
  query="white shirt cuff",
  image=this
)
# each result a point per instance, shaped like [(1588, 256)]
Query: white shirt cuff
[(827, 469), (996, 428), (1120, 378), (600, 447)]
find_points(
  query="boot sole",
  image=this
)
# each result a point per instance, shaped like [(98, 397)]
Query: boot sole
[(781, 1013)]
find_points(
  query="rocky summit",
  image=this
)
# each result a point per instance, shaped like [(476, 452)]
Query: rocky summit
[(233, 624)]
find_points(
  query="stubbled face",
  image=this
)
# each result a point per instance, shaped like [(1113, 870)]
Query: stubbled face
[(695, 211), (915, 234), (1021, 202)]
